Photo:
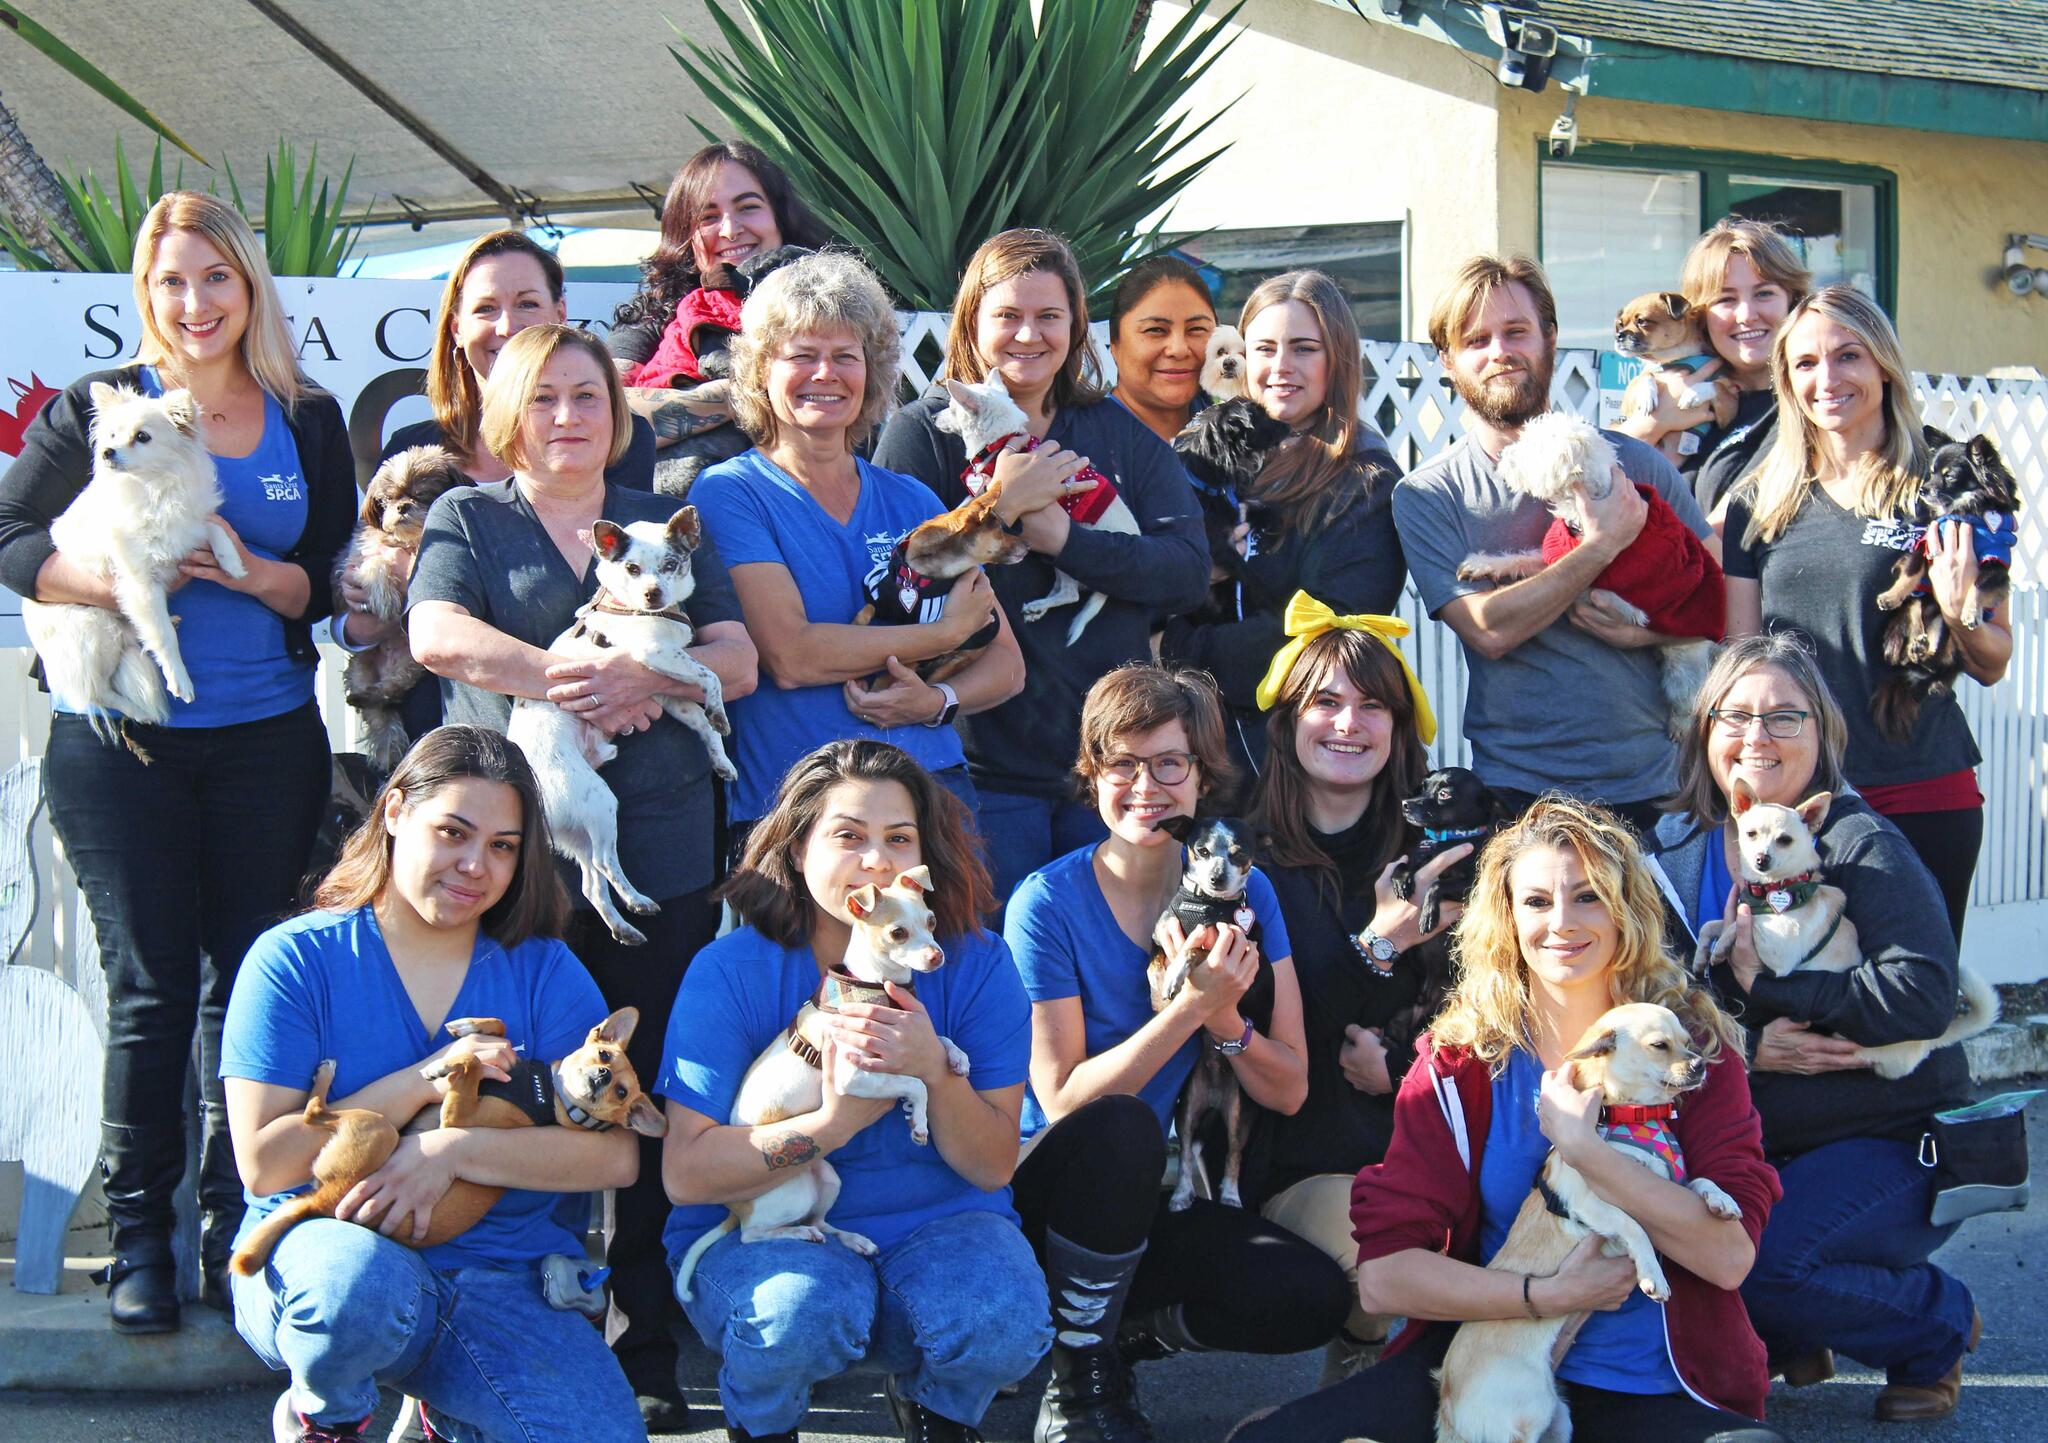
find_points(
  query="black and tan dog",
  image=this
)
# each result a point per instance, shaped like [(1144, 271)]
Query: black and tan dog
[(1454, 807), (911, 586), (1222, 450)]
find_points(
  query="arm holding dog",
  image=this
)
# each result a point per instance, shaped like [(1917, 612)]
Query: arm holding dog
[(795, 651), (1166, 566), (908, 700), (619, 680), (427, 1164), (1952, 572), (1274, 1069), (704, 1161)]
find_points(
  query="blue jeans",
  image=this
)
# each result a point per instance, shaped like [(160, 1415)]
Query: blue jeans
[(1843, 1263), (344, 1310), (1023, 833), (953, 1311)]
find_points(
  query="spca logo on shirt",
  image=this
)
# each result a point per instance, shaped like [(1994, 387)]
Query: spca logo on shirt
[(283, 488), (879, 544), (1891, 533)]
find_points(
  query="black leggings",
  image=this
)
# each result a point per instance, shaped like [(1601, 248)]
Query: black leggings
[(1395, 1402), (644, 1313), (1948, 842), (1245, 1285)]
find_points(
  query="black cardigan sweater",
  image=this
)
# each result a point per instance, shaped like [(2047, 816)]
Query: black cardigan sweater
[(56, 462)]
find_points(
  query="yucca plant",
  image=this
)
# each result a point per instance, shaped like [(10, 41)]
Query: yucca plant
[(303, 234), (106, 222), (919, 129)]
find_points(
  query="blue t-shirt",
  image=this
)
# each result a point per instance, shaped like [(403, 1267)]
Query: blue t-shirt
[(740, 993), (1716, 883), (1067, 944), (323, 985), (1623, 1351), (758, 512), (233, 644)]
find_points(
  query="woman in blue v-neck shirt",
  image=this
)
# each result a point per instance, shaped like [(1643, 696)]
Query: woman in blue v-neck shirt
[(189, 839), (443, 904)]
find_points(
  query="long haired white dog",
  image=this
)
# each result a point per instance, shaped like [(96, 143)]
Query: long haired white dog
[(151, 499)]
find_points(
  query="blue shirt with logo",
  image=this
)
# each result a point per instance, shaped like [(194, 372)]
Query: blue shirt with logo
[(758, 512)]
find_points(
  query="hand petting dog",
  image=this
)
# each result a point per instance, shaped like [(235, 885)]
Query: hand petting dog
[(899, 1040)]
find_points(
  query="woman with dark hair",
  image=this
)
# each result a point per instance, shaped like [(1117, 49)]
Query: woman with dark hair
[(951, 1306), (1347, 726), (1130, 1278), (443, 904), (191, 838), (1022, 312), (499, 578), (1160, 319), (1321, 509)]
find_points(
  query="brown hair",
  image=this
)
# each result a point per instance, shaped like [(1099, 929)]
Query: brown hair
[(266, 346), (1138, 697), (670, 273), (533, 906), (1279, 808), (1763, 245), (1785, 652), (452, 387), (1491, 1004), (1475, 284), (515, 376), (1004, 257), (1312, 479), (768, 891), (829, 291), (1147, 276)]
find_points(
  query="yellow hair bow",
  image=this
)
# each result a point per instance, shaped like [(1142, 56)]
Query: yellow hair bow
[(1308, 619)]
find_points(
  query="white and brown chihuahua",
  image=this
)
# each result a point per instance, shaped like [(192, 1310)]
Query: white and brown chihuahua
[(643, 574), (1497, 1383), (891, 942), (989, 423), (1668, 335), (1798, 922)]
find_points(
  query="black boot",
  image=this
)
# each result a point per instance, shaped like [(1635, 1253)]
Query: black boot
[(217, 1231), (1158, 1334), (142, 1293), (1090, 1398), (921, 1425)]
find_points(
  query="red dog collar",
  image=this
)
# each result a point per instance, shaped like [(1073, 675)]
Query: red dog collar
[(1639, 1112), (1084, 506)]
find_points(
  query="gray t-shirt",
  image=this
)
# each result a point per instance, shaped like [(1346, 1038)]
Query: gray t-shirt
[(1563, 709), (495, 560)]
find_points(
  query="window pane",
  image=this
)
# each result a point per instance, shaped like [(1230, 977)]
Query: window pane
[(1835, 226), (1364, 261), (1609, 235)]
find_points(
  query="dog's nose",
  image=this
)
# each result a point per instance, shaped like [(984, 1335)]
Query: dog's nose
[(602, 1076), (932, 957), (107, 454)]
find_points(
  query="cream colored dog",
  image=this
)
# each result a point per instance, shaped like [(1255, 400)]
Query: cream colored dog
[(1497, 1383)]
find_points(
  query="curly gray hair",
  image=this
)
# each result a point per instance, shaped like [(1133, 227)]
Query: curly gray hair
[(829, 291)]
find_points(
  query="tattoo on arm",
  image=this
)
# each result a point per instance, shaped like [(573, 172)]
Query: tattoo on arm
[(787, 1150)]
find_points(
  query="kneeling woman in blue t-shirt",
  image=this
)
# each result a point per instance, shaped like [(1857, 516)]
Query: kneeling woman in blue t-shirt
[(444, 904), (952, 1306), (1209, 1276)]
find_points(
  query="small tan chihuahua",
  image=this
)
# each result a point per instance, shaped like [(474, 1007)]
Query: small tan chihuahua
[(594, 1087)]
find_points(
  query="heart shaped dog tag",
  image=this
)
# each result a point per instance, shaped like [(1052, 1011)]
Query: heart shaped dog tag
[(1779, 900)]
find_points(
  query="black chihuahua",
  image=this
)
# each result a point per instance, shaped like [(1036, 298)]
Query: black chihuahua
[(1222, 450), (1454, 807)]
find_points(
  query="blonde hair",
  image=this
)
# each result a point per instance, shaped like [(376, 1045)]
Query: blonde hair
[(1004, 257), (266, 345), (515, 376), (829, 291), (452, 387), (1887, 480), (1312, 479), (1786, 653), (1765, 246), (1474, 285), (1490, 1008)]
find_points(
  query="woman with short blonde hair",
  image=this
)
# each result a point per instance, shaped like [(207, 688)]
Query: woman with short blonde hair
[(832, 292)]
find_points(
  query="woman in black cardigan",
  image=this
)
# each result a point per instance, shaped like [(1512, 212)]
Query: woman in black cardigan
[(184, 858)]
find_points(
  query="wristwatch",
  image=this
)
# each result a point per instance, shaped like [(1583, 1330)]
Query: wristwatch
[(949, 710), (1231, 1049), (1375, 949)]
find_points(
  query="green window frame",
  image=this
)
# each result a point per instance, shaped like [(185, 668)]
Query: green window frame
[(1716, 168)]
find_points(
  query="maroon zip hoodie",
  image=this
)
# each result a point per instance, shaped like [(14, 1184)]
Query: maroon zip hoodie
[(1426, 1195)]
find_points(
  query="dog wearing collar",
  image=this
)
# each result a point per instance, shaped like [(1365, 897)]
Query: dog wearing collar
[(911, 586), (891, 942), (1497, 1383), (1454, 807), (643, 575), (594, 1087), (1800, 923), (989, 423)]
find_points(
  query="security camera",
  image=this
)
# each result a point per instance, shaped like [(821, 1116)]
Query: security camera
[(1512, 69), (1564, 131), (2019, 280), (1527, 48)]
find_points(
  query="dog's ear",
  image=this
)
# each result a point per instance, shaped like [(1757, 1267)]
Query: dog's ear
[(1675, 304), (617, 1029), (1814, 810), (606, 539), (1175, 827), (645, 1118), (862, 901), (103, 395), (1595, 1044), (685, 530), (372, 513), (1935, 436), (1984, 451), (1744, 797), (918, 879), (964, 395), (183, 411)]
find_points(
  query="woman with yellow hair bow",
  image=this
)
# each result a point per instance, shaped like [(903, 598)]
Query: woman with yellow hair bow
[(1346, 726)]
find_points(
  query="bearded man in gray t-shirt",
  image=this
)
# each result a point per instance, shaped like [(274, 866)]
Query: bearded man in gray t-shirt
[(1561, 693)]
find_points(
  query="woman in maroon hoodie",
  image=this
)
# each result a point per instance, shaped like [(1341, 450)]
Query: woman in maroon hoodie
[(1564, 921)]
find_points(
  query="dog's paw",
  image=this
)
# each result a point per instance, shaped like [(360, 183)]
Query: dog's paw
[(470, 1026), (724, 770), (1183, 1193), (1718, 1203), (1654, 1285), (720, 723), (1229, 1195), (1033, 610), (956, 1060), (857, 1242), (642, 906)]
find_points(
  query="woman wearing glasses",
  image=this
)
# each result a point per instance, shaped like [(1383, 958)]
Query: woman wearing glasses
[(1843, 1265), (1131, 1279)]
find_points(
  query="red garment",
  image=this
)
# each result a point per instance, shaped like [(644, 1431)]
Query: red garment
[(1665, 572), (1425, 1196), (1085, 507), (1954, 792), (676, 356)]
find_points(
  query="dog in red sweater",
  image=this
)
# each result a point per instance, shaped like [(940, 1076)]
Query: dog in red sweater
[(1665, 580)]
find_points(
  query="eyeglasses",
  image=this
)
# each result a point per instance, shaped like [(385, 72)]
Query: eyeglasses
[(1169, 769), (1784, 725)]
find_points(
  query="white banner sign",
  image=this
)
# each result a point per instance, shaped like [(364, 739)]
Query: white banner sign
[(367, 341)]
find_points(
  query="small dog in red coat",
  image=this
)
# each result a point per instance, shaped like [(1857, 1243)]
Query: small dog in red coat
[(1665, 580)]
